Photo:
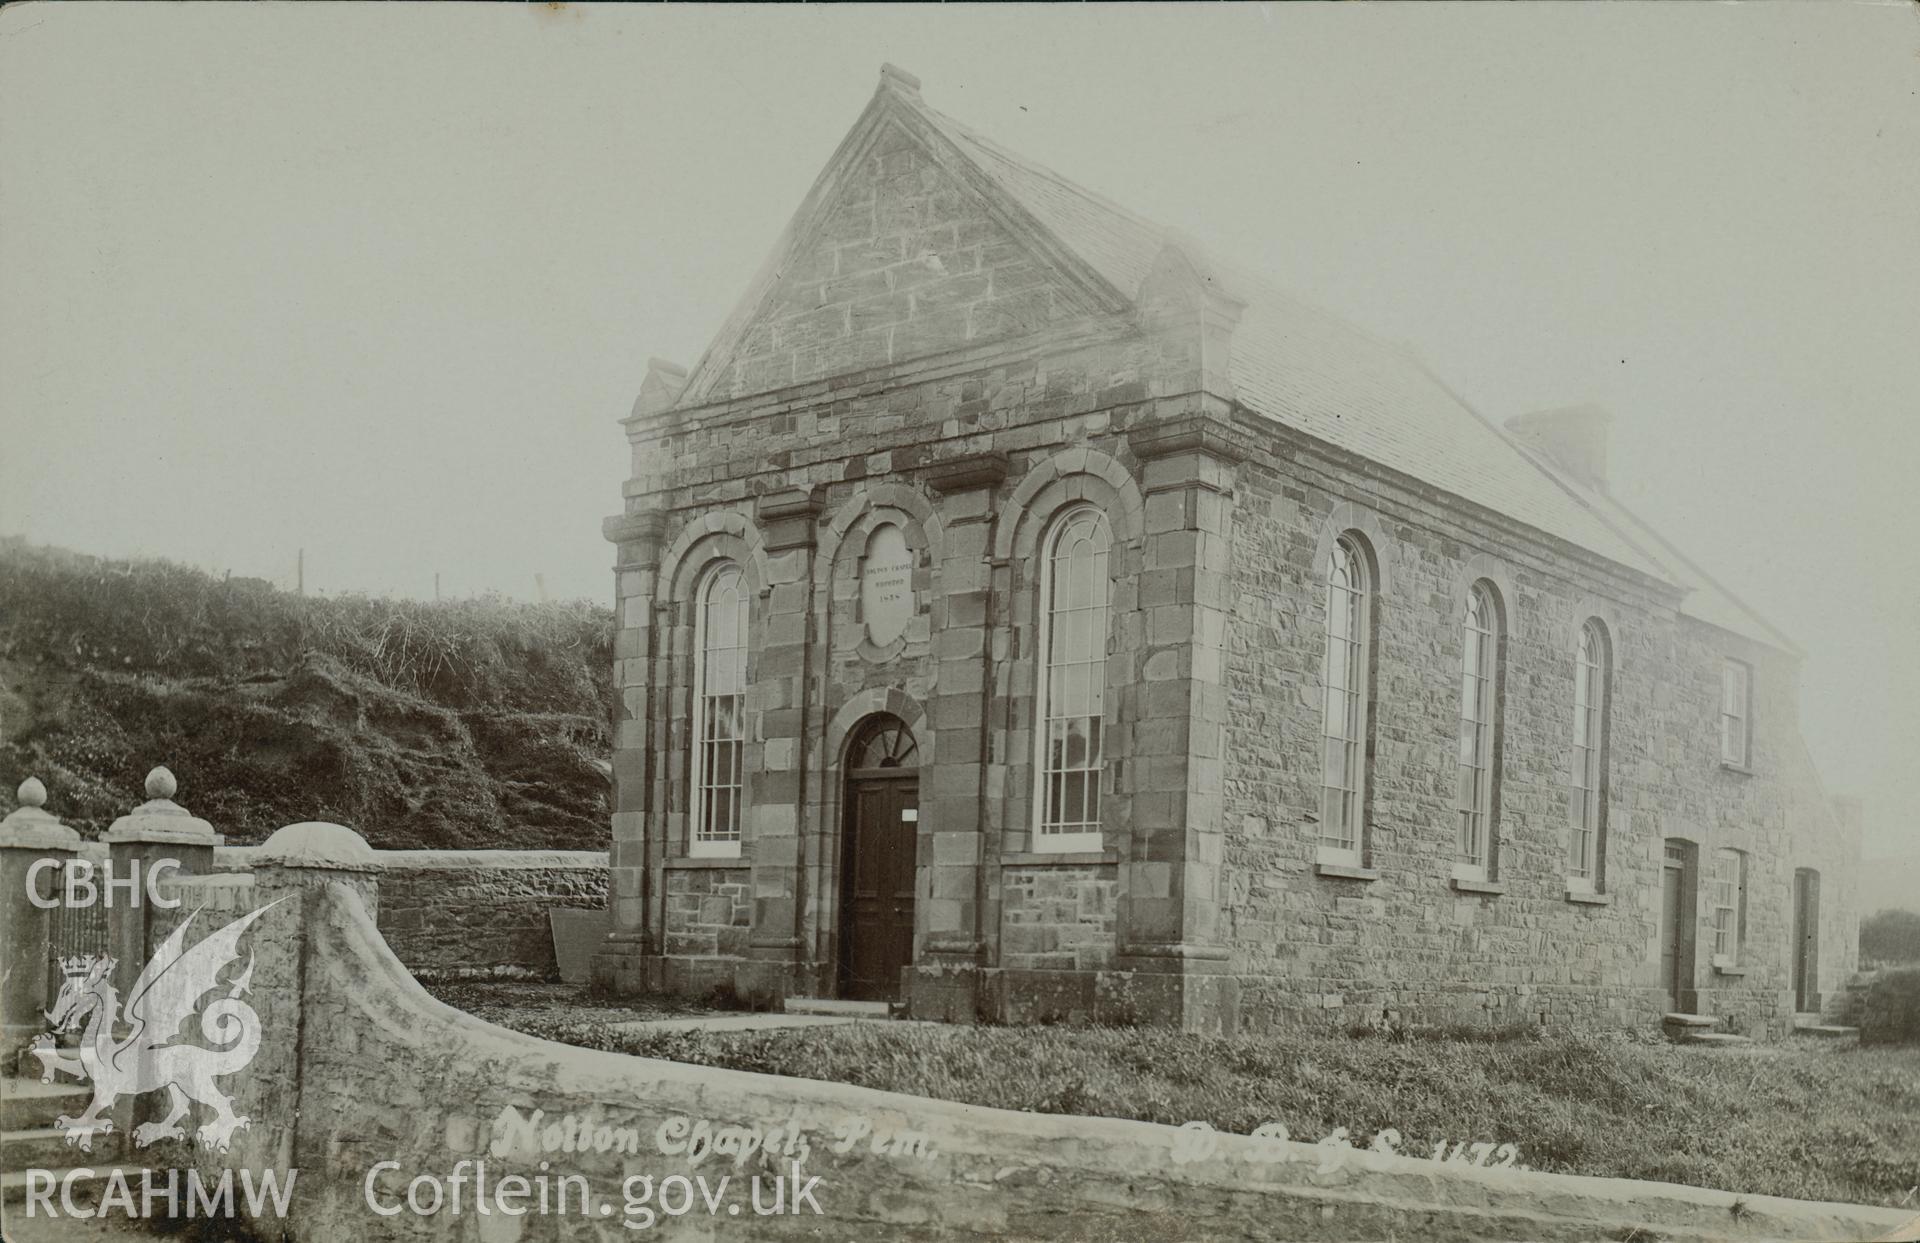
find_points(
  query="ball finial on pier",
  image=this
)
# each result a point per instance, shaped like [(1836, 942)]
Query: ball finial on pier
[(161, 783), (30, 825)]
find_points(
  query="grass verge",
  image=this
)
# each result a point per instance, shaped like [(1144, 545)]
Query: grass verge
[(1804, 1120)]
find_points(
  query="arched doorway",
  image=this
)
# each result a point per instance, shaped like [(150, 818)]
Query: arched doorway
[(878, 853)]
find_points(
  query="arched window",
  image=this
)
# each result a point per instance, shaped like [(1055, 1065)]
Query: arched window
[(1586, 794), (1345, 676), (1479, 702), (719, 711), (1071, 708)]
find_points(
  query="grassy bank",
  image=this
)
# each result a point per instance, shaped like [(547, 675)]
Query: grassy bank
[(1811, 1121), (471, 723)]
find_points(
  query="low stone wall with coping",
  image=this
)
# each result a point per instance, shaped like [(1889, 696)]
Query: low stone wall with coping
[(388, 1087)]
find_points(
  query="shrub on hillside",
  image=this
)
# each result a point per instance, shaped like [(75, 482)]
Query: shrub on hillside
[(156, 617), (464, 724), (1891, 1013), (1890, 936)]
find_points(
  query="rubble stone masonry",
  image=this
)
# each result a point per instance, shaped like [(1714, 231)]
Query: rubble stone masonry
[(919, 361), (1406, 942), (1214, 690)]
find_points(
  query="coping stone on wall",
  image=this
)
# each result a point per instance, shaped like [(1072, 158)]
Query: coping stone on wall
[(239, 858), (402, 859)]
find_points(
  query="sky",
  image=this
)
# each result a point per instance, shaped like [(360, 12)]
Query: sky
[(376, 282)]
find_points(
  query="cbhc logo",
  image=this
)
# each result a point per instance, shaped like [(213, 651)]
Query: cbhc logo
[(79, 890)]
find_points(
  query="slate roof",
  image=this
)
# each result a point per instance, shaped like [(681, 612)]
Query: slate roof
[(1114, 242), (1313, 371)]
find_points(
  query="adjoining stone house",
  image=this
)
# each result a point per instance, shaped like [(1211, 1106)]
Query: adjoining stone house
[(1024, 616)]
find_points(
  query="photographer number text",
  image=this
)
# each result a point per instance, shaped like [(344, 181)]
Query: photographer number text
[(1198, 1141)]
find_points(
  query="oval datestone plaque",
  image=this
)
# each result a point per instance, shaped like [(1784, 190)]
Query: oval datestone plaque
[(886, 585)]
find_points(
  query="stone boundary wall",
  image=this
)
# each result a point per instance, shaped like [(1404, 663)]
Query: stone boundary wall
[(399, 1077), (457, 912), (472, 911)]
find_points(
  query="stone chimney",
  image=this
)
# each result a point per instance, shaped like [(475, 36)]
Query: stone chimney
[(1574, 438)]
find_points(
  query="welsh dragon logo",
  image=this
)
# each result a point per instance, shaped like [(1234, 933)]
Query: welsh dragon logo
[(147, 1057)]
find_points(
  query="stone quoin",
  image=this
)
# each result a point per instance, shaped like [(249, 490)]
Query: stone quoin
[(1024, 616)]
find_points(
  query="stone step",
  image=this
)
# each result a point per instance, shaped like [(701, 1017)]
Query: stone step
[(834, 1005), (28, 1103), (13, 1184), (1679, 1027), (1713, 1039), (1826, 1031), (39, 1148)]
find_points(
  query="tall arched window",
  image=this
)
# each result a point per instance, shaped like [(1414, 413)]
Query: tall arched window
[(719, 711), (1345, 676), (1478, 704), (1586, 794), (1072, 692)]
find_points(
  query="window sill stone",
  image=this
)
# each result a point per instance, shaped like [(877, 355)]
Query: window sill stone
[(1744, 770), (684, 863), (1489, 888), (1057, 858), (1729, 969), (1586, 897), (1345, 871)]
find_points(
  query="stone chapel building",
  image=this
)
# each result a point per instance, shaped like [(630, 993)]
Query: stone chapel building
[(1023, 616)]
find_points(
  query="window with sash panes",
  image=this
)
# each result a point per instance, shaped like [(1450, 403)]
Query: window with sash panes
[(719, 712), (1071, 710), (1474, 767), (1729, 893), (1736, 686), (1344, 677), (1586, 806)]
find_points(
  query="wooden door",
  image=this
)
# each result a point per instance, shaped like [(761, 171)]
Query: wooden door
[(1806, 941), (876, 897), (1671, 878)]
